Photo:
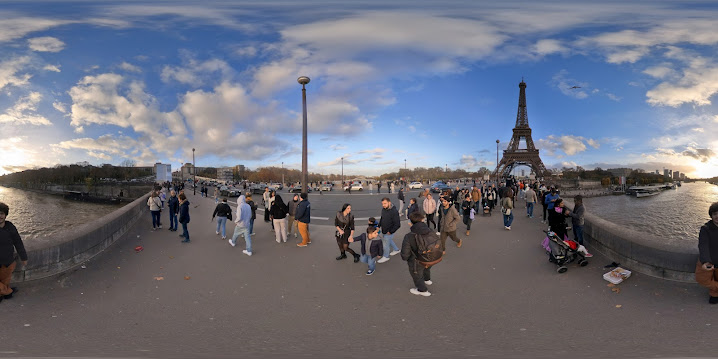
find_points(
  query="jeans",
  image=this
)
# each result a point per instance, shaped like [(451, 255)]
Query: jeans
[(222, 223), (467, 222), (243, 231), (371, 261), (578, 234), (173, 220), (185, 234), (508, 219), (388, 241), (401, 206), (420, 275), (530, 209), (155, 219), (280, 229), (251, 226)]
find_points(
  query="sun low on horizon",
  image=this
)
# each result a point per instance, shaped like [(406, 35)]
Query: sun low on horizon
[(610, 85)]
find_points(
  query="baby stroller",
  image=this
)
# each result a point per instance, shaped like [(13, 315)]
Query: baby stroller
[(563, 252), (486, 208)]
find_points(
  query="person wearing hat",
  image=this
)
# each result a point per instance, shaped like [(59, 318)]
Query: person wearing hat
[(10, 243)]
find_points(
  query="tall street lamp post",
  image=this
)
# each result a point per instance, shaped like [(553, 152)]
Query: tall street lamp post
[(303, 80), (497, 162), (194, 174), (342, 173), (282, 173)]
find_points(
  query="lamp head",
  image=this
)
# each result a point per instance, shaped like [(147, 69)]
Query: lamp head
[(303, 80)]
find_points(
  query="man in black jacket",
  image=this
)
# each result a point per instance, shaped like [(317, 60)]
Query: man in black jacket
[(410, 252), (706, 272), (389, 223), (10, 242)]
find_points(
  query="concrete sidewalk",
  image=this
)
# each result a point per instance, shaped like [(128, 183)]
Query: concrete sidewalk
[(497, 296)]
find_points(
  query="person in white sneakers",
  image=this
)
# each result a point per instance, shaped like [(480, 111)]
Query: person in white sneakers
[(389, 223), (244, 215), (421, 249)]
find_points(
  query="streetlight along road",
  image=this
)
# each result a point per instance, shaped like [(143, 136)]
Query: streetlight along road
[(303, 80)]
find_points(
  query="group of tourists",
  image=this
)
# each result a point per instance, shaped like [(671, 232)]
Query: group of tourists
[(177, 206)]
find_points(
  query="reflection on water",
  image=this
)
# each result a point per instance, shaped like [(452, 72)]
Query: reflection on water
[(673, 214), (41, 215)]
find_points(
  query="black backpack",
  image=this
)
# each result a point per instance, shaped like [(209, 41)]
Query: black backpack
[(430, 251)]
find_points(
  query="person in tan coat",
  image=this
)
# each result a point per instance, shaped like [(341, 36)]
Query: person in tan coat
[(449, 219)]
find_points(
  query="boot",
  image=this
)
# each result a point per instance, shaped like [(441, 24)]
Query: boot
[(342, 256), (356, 258)]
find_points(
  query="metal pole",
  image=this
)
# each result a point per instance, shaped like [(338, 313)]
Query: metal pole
[(342, 173), (194, 175), (282, 173), (303, 80), (497, 162)]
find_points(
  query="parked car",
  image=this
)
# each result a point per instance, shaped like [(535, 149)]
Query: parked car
[(325, 186), (439, 187), (356, 186), (257, 188), (234, 192), (416, 185), (276, 186)]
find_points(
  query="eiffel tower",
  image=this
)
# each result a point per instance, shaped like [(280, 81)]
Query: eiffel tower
[(513, 155)]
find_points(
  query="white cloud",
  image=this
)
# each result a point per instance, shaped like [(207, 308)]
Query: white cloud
[(25, 112), (197, 73), (248, 51), (613, 97), (566, 85), (52, 68), (46, 44), (59, 106), (696, 84), (17, 27), (130, 67), (548, 46), (659, 72), (10, 69), (568, 144)]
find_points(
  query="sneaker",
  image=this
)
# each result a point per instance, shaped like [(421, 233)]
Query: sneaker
[(253, 234), (185, 241), (461, 241), (428, 282), (509, 228), (231, 243), (506, 227), (370, 272), (247, 253), (301, 245), (383, 260), (417, 292), (393, 253), (216, 232), (223, 238), (588, 255), (438, 233), (295, 235), (160, 227)]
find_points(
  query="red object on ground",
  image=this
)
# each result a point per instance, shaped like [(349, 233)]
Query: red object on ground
[(138, 249)]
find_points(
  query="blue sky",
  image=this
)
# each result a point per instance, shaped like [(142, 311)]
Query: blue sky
[(435, 83)]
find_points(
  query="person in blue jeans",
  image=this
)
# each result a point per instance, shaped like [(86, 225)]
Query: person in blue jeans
[(507, 208), (531, 199), (222, 211), (173, 209), (371, 249), (184, 216), (244, 215), (389, 223)]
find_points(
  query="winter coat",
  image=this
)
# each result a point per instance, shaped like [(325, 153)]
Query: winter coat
[(413, 208), (389, 221), (401, 195), (244, 213), (222, 210), (253, 207), (376, 249), (155, 203), (409, 247), (449, 219), (184, 212), (173, 204), (475, 195), (531, 196), (708, 243), (429, 206), (303, 212), (10, 242), (278, 210), (293, 207), (577, 215)]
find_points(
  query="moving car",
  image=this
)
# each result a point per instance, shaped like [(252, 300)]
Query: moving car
[(439, 187), (416, 185), (298, 189)]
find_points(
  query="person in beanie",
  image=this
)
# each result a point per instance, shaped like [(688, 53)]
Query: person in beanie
[(706, 273), (10, 243)]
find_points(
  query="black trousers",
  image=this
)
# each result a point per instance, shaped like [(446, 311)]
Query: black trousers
[(419, 274)]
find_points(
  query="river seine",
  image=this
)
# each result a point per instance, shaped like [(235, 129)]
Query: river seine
[(41, 215), (672, 214)]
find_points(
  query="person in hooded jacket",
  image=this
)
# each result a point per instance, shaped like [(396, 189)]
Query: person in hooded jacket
[(371, 248), (184, 216), (278, 214), (706, 273), (253, 207), (244, 216), (222, 211), (11, 247), (410, 253)]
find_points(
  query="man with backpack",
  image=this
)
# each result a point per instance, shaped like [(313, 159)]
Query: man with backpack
[(421, 249)]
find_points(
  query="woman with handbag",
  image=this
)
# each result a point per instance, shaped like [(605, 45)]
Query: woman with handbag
[(344, 223), (507, 208)]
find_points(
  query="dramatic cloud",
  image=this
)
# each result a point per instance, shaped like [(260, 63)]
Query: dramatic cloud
[(130, 67), (10, 69), (24, 112), (52, 68), (570, 145), (46, 44), (197, 73)]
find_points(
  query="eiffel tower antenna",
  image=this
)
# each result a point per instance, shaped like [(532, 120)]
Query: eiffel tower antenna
[(515, 156)]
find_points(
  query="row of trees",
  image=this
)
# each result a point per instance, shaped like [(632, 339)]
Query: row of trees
[(81, 173)]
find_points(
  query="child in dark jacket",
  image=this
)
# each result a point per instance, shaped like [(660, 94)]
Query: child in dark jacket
[(371, 247)]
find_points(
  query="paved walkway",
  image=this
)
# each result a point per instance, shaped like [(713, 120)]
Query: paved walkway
[(497, 296)]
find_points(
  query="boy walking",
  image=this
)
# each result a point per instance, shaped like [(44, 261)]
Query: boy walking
[(371, 249)]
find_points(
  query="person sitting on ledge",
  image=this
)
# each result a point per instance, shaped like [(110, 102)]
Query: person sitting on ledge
[(706, 273)]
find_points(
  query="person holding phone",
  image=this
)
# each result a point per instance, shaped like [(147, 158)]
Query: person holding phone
[(706, 274)]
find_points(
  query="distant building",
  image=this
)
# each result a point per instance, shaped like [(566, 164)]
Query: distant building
[(658, 172), (163, 172), (620, 172), (187, 171), (667, 173), (240, 171), (676, 175), (225, 174), (177, 176)]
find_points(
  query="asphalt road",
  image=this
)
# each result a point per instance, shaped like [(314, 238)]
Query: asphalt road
[(497, 296)]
